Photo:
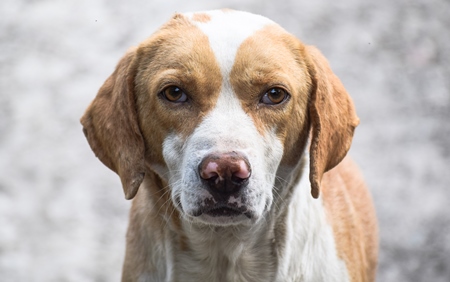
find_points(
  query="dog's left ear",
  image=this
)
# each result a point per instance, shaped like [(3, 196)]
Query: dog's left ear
[(111, 127), (333, 119)]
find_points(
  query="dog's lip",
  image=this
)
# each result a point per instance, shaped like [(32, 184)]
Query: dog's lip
[(223, 210)]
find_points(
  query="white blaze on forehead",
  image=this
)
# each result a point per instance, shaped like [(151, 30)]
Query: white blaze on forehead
[(226, 30)]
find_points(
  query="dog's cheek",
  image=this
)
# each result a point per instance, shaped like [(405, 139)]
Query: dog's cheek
[(269, 153), (172, 151), (273, 152), (172, 148), (259, 198)]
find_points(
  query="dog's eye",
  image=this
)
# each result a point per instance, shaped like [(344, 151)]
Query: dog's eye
[(174, 94), (274, 96)]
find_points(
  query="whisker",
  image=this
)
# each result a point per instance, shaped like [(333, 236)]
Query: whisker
[(167, 219), (162, 196)]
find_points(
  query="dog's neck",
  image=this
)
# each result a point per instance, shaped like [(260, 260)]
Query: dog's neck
[(239, 253), (228, 253)]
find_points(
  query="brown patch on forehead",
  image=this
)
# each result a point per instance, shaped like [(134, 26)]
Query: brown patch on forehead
[(201, 17), (274, 58), (179, 55)]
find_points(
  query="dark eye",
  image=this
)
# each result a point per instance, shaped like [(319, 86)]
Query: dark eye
[(174, 94), (274, 96)]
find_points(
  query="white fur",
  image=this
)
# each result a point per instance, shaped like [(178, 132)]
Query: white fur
[(312, 254)]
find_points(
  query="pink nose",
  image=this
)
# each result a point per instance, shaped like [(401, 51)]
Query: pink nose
[(225, 173)]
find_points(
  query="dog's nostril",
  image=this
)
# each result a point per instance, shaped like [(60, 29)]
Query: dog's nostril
[(242, 172), (213, 180), (209, 170), (238, 180)]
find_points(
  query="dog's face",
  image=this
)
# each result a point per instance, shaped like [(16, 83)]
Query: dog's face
[(218, 104), (228, 108)]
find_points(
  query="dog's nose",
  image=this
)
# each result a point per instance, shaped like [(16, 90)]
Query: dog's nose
[(226, 173)]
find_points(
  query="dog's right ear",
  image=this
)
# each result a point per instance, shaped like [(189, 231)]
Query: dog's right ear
[(111, 127)]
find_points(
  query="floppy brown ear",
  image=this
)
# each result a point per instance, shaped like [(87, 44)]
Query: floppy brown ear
[(111, 127), (333, 119)]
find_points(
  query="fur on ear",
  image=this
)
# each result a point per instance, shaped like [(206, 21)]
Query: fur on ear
[(333, 119), (111, 127)]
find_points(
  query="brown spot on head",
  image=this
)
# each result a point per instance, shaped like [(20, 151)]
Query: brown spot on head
[(179, 55), (268, 59), (317, 99), (201, 17), (128, 120)]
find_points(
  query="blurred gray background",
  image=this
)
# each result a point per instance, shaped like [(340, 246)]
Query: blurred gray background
[(63, 215)]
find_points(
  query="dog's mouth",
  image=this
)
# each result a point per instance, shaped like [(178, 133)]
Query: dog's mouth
[(223, 211)]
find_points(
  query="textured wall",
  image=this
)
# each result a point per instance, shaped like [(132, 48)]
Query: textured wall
[(62, 213)]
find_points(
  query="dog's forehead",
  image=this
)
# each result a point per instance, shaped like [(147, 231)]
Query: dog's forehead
[(227, 30)]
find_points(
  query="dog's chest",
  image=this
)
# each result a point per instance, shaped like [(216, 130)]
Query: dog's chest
[(225, 259)]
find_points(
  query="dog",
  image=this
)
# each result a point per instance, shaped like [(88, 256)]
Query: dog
[(231, 135)]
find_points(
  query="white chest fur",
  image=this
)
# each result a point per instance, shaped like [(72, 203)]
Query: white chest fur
[(311, 253)]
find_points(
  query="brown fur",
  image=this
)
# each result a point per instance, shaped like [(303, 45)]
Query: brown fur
[(201, 17), (110, 126), (121, 111), (186, 61), (351, 212), (333, 119), (261, 63)]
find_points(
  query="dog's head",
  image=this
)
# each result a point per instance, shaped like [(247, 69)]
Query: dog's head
[(218, 104)]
